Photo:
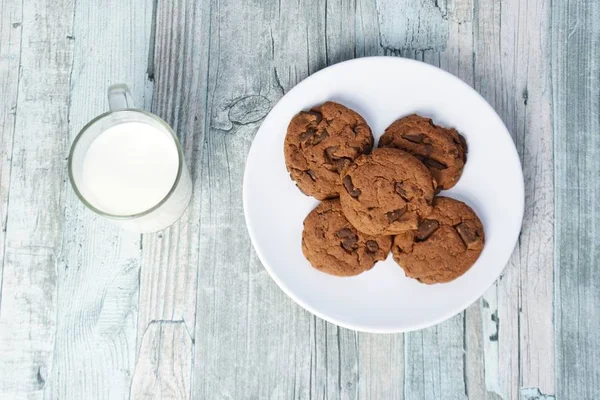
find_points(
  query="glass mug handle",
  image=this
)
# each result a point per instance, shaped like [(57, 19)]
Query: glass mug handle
[(119, 97)]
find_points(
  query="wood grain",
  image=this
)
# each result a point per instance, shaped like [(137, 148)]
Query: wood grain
[(35, 188), (211, 323), (512, 73), (576, 104), (412, 25), (98, 272), (169, 274), (170, 258), (164, 366), (500, 303), (11, 28)]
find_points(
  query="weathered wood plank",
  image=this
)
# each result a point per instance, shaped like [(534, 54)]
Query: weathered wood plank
[(164, 366), (10, 59), (169, 275), (434, 362), (512, 73), (170, 258), (500, 342), (381, 366), (98, 272), (34, 210), (412, 25), (475, 373), (576, 105)]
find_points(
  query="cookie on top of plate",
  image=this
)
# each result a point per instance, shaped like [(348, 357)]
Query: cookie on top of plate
[(332, 245), (444, 246), (386, 192), (322, 142), (442, 150)]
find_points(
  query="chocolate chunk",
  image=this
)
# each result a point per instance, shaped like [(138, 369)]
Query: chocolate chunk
[(430, 162), (344, 233), (316, 114), (372, 246), (414, 137), (466, 234), (352, 191), (396, 214), (349, 239), (312, 175), (307, 134), (350, 244), (316, 139), (330, 154), (401, 190), (314, 117), (336, 163), (426, 229)]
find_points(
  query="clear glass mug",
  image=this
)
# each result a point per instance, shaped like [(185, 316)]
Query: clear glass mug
[(166, 211)]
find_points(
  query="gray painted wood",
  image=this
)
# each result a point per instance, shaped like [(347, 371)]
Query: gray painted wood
[(576, 106), (189, 312), (10, 58), (35, 109), (98, 272), (169, 274), (164, 364), (512, 73)]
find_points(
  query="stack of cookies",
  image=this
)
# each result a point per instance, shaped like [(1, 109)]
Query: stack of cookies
[(374, 201)]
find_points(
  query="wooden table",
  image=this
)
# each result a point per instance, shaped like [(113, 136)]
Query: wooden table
[(90, 312)]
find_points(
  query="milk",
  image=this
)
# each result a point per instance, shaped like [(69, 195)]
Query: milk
[(129, 168)]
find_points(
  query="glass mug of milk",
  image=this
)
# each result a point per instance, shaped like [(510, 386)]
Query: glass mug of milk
[(127, 165)]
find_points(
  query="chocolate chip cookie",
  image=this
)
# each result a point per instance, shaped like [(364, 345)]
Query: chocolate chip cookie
[(322, 142), (442, 150), (445, 244), (333, 246), (386, 192)]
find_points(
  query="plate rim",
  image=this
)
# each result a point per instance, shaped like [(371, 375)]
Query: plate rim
[(357, 326)]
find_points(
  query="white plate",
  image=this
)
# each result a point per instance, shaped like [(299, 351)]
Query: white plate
[(383, 89)]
